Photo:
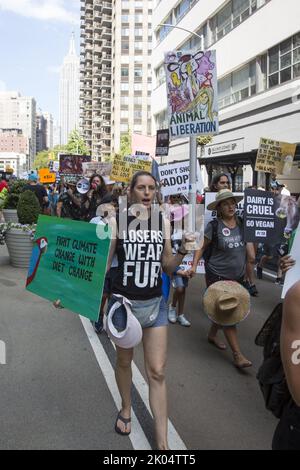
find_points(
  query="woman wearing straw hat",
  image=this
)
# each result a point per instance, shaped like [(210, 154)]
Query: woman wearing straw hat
[(226, 256)]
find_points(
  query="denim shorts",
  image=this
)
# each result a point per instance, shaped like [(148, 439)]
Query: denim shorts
[(179, 281), (119, 319)]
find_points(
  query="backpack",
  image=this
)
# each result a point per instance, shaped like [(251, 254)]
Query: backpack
[(214, 241), (270, 376)]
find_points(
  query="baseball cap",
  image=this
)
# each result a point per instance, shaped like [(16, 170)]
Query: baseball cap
[(32, 177), (131, 335)]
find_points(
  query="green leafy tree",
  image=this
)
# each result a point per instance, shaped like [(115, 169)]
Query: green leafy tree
[(41, 160), (125, 147), (76, 144)]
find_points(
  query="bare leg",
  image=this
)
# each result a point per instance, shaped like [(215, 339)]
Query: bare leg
[(212, 336), (231, 336), (123, 375), (175, 298), (181, 299), (155, 353)]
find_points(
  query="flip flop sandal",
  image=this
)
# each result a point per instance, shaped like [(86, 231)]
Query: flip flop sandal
[(125, 421)]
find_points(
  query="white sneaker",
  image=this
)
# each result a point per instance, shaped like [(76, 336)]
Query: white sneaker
[(172, 315), (183, 321)]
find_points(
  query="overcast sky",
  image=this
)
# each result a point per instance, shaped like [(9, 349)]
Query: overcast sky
[(34, 38)]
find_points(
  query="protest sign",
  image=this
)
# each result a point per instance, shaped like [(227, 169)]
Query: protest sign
[(162, 142), (187, 264), (68, 263), (72, 164), (46, 176), (261, 224), (175, 178), (191, 81), (143, 143), (275, 157), (100, 168), (124, 168), (293, 275)]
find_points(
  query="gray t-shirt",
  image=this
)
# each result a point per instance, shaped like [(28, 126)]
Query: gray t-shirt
[(228, 259)]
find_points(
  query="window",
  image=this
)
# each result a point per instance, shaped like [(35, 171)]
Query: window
[(284, 61)]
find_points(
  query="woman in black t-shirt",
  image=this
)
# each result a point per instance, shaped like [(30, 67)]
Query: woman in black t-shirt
[(143, 248)]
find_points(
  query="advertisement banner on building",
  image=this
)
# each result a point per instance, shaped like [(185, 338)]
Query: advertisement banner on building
[(175, 178), (68, 263), (101, 168), (72, 164), (191, 81), (261, 224), (123, 168), (275, 157), (162, 142)]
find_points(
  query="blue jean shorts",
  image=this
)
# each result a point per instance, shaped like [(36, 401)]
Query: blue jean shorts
[(179, 281), (119, 319)]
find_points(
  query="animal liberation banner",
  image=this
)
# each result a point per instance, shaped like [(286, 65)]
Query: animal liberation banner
[(68, 263), (261, 224), (72, 164), (192, 93), (275, 157), (162, 142), (124, 168), (175, 178)]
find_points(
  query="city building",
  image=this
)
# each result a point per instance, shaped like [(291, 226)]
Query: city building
[(13, 161), (19, 112), (44, 132), (69, 93), (13, 140), (116, 46), (258, 63)]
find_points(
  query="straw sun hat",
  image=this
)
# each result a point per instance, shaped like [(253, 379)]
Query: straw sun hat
[(226, 303), (222, 196)]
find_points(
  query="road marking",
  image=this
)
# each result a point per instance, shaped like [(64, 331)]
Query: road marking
[(137, 436)]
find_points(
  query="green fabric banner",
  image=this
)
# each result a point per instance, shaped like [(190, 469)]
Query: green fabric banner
[(68, 263)]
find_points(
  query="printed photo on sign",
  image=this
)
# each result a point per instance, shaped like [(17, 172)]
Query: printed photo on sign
[(191, 80), (72, 164), (162, 142)]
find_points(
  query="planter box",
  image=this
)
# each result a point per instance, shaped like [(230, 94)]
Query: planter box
[(10, 215), (19, 245)]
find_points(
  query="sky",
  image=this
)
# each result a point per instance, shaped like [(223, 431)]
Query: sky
[(34, 39)]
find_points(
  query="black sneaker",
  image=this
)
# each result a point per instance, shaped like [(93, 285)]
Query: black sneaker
[(253, 290), (259, 272), (278, 280), (98, 326)]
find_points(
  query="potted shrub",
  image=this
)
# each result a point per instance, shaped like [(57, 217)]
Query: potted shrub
[(19, 236), (11, 201)]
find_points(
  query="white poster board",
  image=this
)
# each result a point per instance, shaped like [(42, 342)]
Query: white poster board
[(175, 178), (293, 274)]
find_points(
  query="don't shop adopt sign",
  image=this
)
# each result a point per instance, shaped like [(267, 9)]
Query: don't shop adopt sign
[(260, 221)]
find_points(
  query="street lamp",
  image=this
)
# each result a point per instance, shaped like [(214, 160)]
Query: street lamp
[(192, 150)]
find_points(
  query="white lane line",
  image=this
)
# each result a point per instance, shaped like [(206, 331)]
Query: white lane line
[(175, 441), (137, 436)]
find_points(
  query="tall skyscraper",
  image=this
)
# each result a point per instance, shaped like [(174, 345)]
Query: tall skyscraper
[(19, 112), (44, 131), (69, 93), (115, 78)]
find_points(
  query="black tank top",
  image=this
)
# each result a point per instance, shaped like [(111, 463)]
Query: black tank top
[(139, 250)]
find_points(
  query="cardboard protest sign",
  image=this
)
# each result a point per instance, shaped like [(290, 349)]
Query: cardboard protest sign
[(143, 143), (68, 263), (124, 168), (101, 168), (261, 224), (175, 178), (293, 275), (275, 157), (72, 164), (162, 142), (191, 81), (46, 176)]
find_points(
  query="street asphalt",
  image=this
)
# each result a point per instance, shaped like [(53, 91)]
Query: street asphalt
[(54, 394)]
